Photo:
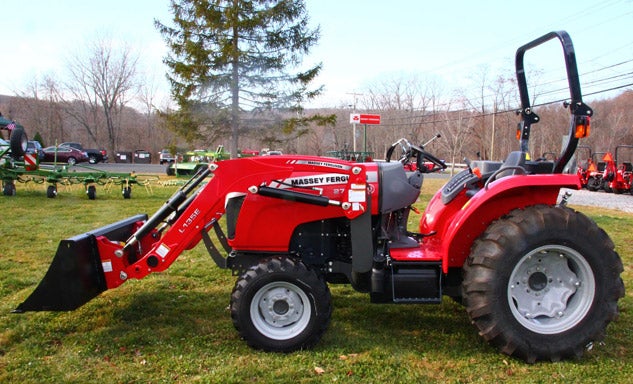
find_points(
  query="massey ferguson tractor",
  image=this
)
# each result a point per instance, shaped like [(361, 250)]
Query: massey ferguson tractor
[(539, 280), (621, 171)]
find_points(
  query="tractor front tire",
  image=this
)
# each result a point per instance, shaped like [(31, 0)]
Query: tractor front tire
[(543, 283), (280, 305)]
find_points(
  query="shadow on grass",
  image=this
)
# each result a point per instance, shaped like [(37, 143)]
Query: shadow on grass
[(157, 316), (172, 328), (402, 328)]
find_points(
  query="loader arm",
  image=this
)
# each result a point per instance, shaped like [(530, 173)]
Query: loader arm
[(153, 244), (244, 176), (206, 208)]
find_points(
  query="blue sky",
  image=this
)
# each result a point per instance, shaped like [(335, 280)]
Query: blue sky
[(362, 42)]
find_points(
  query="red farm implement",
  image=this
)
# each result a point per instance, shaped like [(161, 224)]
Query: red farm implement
[(621, 177)]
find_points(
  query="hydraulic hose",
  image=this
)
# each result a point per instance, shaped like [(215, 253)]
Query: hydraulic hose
[(171, 205), (296, 196)]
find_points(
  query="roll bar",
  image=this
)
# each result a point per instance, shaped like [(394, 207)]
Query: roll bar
[(580, 111)]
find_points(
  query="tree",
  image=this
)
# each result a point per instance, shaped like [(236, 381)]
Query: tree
[(101, 85), (228, 56), (455, 134), (407, 105), (42, 111)]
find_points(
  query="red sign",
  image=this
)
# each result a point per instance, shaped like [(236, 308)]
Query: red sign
[(360, 118)]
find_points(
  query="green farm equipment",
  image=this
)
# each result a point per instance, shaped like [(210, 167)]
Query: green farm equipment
[(196, 160), (18, 166)]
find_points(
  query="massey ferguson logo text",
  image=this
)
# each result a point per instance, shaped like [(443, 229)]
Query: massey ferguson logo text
[(320, 180), (310, 181), (321, 164)]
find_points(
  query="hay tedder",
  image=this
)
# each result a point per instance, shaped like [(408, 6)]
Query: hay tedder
[(18, 166), (539, 280)]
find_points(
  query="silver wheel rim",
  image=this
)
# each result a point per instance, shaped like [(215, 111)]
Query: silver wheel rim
[(280, 310), (551, 289), (24, 142)]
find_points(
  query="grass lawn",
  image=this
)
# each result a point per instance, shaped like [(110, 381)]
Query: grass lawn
[(175, 327)]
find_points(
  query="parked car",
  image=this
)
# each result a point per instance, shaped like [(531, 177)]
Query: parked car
[(268, 152), (68, 155), (34, 146), (247, 153), (4, 146), (164, 156), (142, 156), (94, 155)]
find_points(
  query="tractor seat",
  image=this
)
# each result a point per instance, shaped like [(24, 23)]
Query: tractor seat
[(514, 164), (601, 166), (517, 163)]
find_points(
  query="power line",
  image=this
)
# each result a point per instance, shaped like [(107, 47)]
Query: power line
[(565, 88), (480, 115)]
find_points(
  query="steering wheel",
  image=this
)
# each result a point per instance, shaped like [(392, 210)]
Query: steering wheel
[(438, 164), (410, 150), (405, 146)]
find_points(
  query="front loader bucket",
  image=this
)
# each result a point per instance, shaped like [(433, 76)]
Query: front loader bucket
[(76, 273)]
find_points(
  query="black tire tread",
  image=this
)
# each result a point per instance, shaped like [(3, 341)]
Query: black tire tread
[(274, 265), (17, 142), (514, 232)]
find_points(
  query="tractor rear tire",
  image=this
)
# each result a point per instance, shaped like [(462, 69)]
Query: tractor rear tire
[(543, 283), (280, 305)]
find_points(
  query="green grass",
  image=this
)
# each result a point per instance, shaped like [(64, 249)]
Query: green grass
[(175, 327)]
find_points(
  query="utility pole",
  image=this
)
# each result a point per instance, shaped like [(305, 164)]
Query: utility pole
[(354, 94), (492, 139)]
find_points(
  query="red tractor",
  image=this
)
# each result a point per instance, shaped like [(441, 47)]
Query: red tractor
[(596, 171), (608, 169), (585, 165), (538, 280), (619, 172)]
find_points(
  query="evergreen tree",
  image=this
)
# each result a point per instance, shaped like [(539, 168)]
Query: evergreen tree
[(231, 56), (39, 138)]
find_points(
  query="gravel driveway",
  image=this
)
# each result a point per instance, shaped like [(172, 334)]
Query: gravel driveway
[(622, 202)]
